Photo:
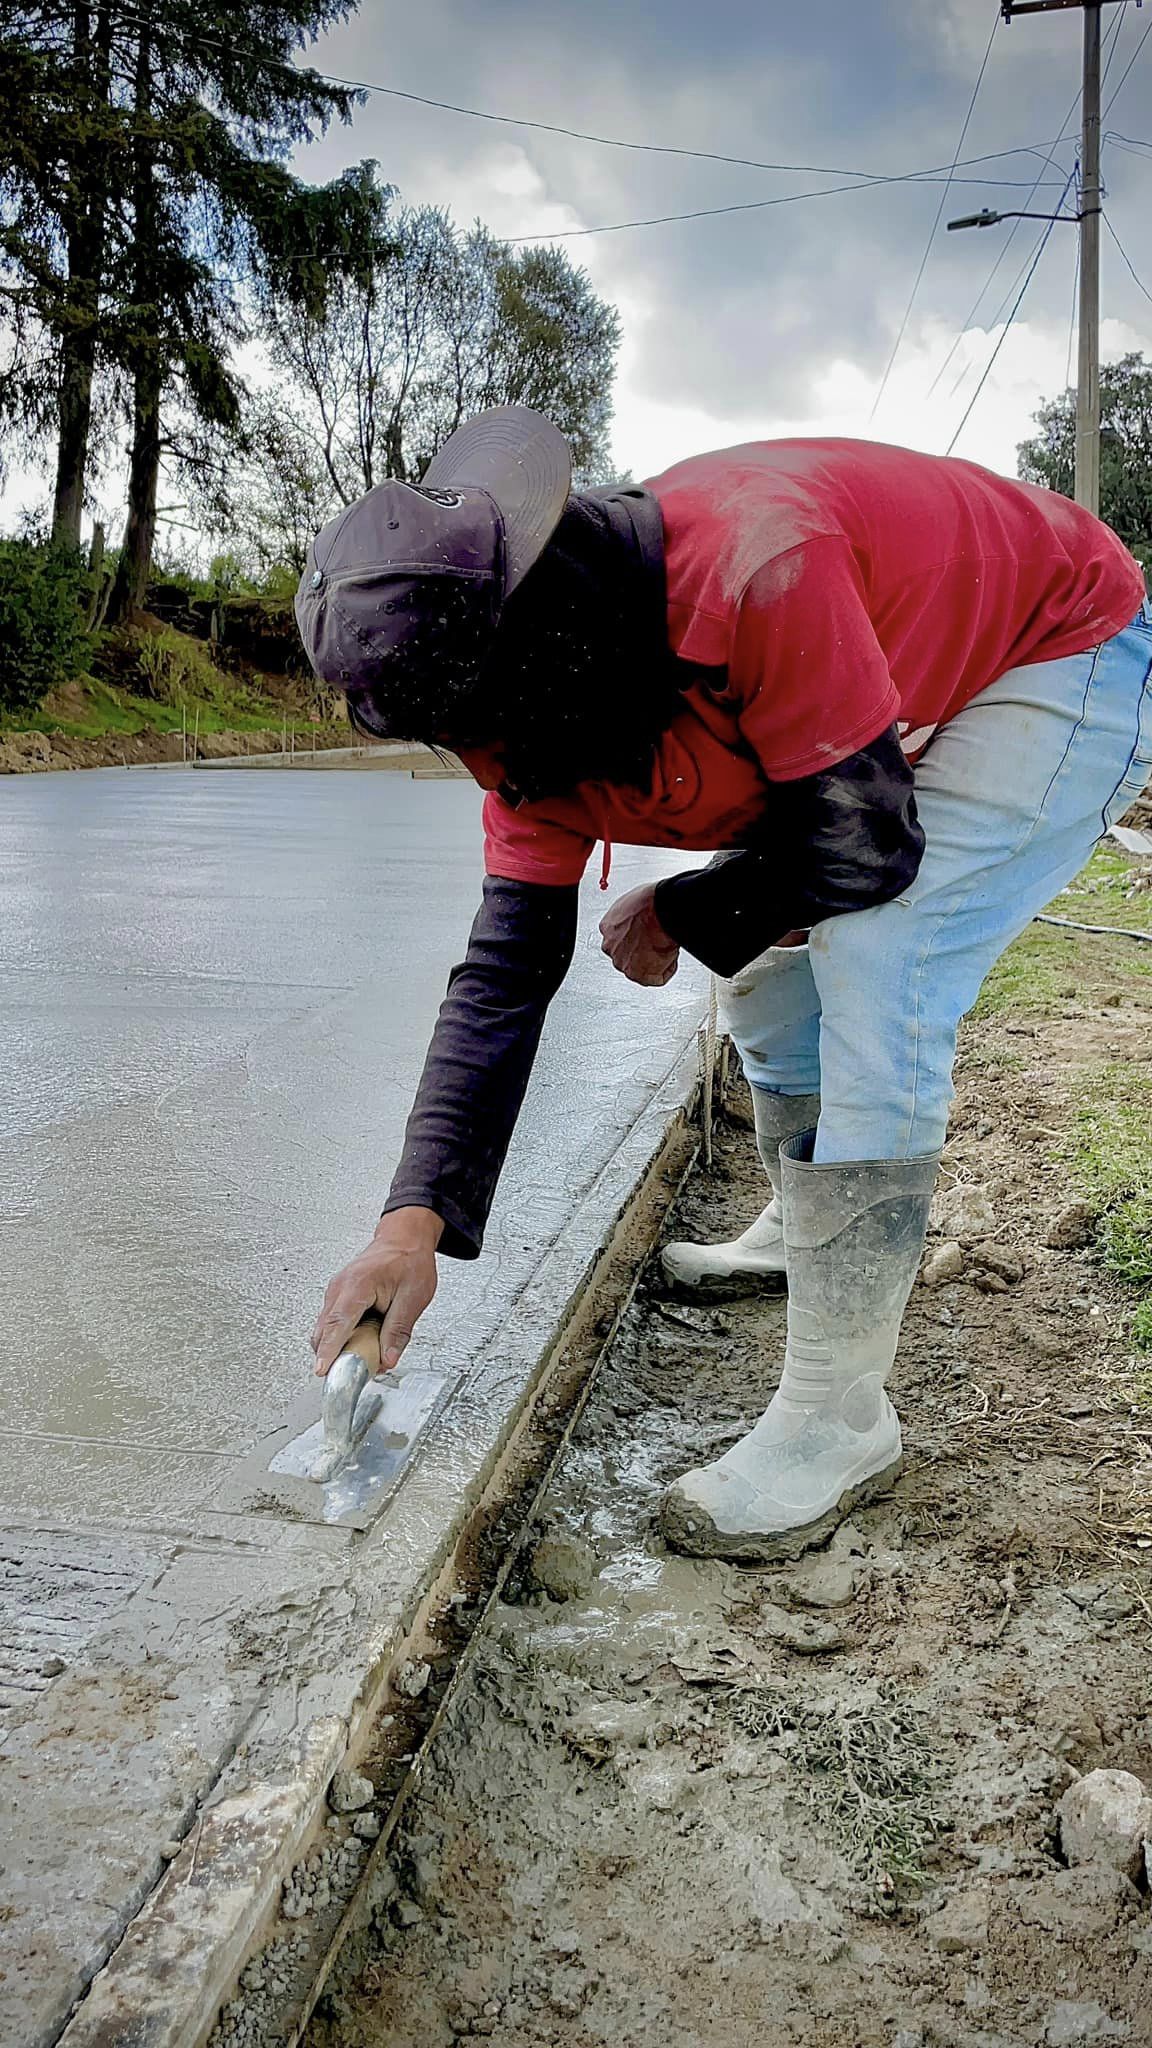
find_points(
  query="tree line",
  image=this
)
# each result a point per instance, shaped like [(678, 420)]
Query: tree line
[(151, 229)]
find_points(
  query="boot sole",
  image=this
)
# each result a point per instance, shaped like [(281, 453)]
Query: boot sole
[(688, 1529), (724, 1286)]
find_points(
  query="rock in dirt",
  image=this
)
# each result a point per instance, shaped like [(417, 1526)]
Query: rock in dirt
[(804, 1633), (1078, 1905), (1071, 1228), (1081, 2019), (999, 1262), (963, 1212), (1105, 1819), (1101, 1599), (412, 1679), (350, 1791), (960, 1927), (944, 1264), (821, 1582), (562, 1566), (1067, 1728)]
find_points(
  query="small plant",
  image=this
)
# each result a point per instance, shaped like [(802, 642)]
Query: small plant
[(174, 669), (1142, 1333), (44, 639), (1110, 1156), (873, 1775)]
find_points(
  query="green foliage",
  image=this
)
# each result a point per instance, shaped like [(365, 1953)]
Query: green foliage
[(146, 209), (43, 637), (1141, 1327), (174, 669), (446, 323), (1110, 1155), (1049, 458)]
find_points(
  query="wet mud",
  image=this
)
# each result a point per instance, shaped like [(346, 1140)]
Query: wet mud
[(815, 1805)]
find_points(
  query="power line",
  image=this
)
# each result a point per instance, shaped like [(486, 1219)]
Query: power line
[(1004, 248), (993, 322), (1009, 238), (1128, 260), (1040, 248), (1072, 316), (602, 141), (659, 220), (1128, 67), (1013, 231), (936, 221)]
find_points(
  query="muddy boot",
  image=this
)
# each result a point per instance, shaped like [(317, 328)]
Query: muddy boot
[(830, 1436), (756, 1259)]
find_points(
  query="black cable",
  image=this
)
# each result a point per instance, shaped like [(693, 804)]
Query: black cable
[(1013, 231), (1128, 260), (1040, 248), (935, 222), (659, 220), (1128, 67)]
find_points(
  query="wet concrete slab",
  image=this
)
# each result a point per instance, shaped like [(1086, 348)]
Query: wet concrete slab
[(215, 997)]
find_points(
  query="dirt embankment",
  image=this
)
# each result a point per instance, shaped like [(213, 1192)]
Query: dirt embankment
[(37, 753), (814, 1805)]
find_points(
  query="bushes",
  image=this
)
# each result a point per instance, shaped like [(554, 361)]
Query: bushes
[(44, 641)]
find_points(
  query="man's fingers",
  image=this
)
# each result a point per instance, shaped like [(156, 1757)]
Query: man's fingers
[(337, 1321), (408, 1305)]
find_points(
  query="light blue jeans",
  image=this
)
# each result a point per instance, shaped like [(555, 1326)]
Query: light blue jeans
[(1012, 794)]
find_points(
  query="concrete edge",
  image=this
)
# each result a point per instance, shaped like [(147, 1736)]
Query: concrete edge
[(178, 1960)]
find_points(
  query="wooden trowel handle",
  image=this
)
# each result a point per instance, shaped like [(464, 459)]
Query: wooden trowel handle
[(365, 1342)]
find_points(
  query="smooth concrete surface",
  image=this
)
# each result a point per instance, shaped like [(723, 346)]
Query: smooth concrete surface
[(216, 1002), (215, 995)]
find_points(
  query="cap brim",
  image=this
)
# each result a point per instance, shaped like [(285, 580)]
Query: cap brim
[(525, 465)]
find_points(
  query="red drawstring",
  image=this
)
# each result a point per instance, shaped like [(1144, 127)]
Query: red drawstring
[(606, 864)]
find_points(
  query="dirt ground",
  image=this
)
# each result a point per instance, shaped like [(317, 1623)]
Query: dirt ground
[(813, 1805)]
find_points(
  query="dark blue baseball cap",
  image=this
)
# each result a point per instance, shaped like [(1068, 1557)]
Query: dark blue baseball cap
[(402, 591)]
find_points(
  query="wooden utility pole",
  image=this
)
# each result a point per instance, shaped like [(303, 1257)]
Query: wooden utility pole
[(1087, 487)]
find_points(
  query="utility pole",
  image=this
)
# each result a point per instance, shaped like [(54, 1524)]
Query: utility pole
[(1087, 488), (1088, 354)]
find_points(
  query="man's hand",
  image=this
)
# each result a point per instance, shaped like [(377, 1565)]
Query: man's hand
[(395, 1274), (635, 940)]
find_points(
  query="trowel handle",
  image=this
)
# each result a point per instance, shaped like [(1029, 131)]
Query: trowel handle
[(365, 1342)]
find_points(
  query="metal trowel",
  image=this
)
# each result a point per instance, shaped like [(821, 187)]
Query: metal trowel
[(366, 1429)]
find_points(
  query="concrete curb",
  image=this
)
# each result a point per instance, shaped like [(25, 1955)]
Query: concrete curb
[(179, 1957)]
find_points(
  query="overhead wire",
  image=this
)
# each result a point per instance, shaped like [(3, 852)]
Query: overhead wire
[(1128, 67), (659, 220), (883, 386), (1014, 229), (987, 371), (200, 40), (1072, 319), (1137, 280)]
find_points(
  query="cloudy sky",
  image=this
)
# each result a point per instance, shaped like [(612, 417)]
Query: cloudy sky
[(780, 319)]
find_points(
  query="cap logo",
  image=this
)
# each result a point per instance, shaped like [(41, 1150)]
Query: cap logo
[(439, 497)]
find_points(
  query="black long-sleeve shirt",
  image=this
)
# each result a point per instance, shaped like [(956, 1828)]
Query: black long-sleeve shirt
[(842, 840)]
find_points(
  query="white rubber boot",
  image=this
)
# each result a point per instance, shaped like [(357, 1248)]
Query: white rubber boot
[(744, 1264), (830, 1436)]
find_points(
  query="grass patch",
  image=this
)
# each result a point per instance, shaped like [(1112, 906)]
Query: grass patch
[(1141, 1334), (1109, 1154), (1104, 894), (1044, 968), (1037, 973)]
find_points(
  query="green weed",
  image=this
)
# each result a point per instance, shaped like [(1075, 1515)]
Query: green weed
[(1109, 1154)]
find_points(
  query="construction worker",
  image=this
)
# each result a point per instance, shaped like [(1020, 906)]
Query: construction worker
[(904, 696)]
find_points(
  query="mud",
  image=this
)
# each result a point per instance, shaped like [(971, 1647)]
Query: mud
[(815, 1805)]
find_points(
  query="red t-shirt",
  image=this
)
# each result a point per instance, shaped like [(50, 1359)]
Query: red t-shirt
[(829, 589)]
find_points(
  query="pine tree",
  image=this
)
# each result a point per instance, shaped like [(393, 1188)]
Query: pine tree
[(146, 210)]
